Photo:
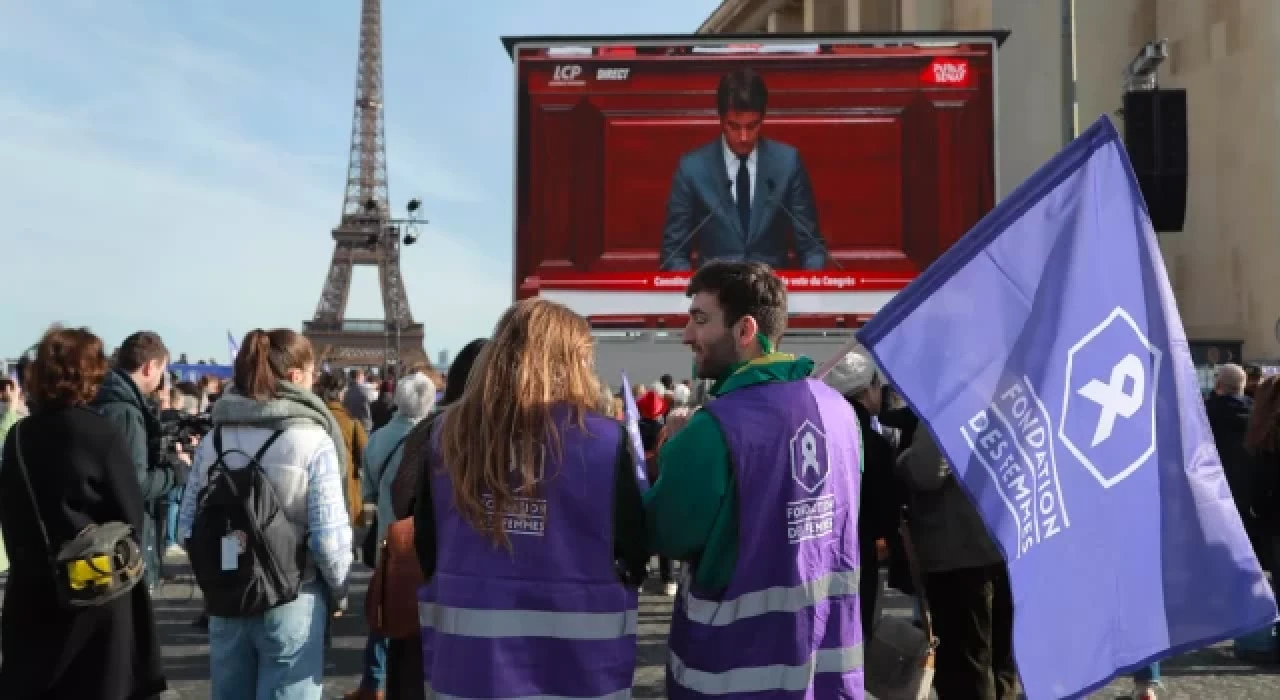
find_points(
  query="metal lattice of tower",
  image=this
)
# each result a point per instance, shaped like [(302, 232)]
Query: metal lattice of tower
[(366, 234)]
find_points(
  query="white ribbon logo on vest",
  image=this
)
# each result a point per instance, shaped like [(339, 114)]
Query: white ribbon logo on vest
[(809, 456), (810, 517), (808, 467)]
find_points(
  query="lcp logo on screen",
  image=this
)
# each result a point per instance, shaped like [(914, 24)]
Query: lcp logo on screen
[(567, 74)]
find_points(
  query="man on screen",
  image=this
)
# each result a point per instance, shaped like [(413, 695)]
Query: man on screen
[(736, 198)]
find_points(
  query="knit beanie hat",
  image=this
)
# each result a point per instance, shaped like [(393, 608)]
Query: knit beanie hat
[(853, 373)]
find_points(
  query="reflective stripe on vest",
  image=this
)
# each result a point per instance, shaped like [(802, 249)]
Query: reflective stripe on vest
[(620, 695), (780, 599), (766, 678), (498, 624)]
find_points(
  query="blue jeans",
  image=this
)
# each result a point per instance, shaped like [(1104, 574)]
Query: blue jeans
[(171, 518), (375, 663), (278, 655), (1150, 674)]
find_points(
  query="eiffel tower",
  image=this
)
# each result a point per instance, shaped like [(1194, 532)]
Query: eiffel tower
[(367, 235)]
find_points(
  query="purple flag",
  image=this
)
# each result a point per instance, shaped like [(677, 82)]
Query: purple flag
[(633, 429), (1046, 354)]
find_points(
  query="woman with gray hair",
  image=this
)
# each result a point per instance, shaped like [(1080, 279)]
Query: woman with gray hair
[(858, 380), (415, 396)]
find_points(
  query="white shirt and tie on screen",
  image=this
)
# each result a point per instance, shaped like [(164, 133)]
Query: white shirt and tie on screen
[(742, 184), (742, 179), (742, 196)]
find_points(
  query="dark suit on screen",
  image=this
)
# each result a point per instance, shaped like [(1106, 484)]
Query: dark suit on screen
[(704, 184)]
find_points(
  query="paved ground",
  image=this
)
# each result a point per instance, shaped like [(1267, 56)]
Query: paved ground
[(1210, 674)]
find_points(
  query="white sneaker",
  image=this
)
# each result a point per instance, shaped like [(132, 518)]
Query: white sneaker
[(174, 550), (671, 589)]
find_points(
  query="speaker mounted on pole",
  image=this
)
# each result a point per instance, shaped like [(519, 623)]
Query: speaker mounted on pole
[(1155, 135)]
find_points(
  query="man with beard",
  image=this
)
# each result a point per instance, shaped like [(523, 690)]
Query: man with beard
[(140, 369), (758, 491)]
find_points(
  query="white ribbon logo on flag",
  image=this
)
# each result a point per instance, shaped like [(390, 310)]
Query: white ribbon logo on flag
[(1112, 397)]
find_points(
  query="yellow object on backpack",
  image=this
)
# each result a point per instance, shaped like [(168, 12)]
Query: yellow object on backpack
[(89, 572)]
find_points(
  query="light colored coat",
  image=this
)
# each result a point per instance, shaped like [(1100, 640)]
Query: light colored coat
[(382, 463)]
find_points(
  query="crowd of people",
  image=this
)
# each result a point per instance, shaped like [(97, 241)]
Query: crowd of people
[(504, 517)]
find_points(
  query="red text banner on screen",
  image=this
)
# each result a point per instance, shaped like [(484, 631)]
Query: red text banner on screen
[(796, 280), (662, 293)]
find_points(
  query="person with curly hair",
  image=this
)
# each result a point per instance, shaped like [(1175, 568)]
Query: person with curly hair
[(80, 472)]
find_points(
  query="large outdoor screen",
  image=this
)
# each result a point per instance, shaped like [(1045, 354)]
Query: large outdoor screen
[(849, 167)]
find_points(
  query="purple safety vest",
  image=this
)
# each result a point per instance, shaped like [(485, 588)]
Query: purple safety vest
[(549, 618), (788, 626)]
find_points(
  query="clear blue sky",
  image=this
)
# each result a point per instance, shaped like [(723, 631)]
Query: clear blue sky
[(178, 166)]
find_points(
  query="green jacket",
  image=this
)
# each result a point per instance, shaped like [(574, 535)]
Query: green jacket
[(120, 400), (692, 508)]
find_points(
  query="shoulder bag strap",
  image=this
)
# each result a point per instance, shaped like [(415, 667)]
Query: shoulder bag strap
[(917, 580), (399, 443), (382, 473), (217, 443), (31, 494), (423, 457), (257, 456)]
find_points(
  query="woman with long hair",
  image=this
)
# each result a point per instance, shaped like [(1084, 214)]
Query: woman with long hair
[(271, 413), (536, 520), (74, 470)]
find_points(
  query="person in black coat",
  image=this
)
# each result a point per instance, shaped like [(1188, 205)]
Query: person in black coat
[(81, 473), (1228, 409), (123, 399), (857, 379), (1262, 444)]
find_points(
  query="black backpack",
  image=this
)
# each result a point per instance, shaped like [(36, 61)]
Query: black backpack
[(246, 556)]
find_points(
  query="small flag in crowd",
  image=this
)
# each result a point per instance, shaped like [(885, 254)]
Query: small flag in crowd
[(233, 347), (633, 429), (1046, 354)]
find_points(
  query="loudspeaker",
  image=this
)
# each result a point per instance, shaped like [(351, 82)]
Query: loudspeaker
[(1155, 134)]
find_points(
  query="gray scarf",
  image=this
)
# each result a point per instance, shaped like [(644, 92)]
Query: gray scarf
[(292, 406)]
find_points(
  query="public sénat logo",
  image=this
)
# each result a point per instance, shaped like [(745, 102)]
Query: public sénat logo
[(809, 464), (1108, 404)]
